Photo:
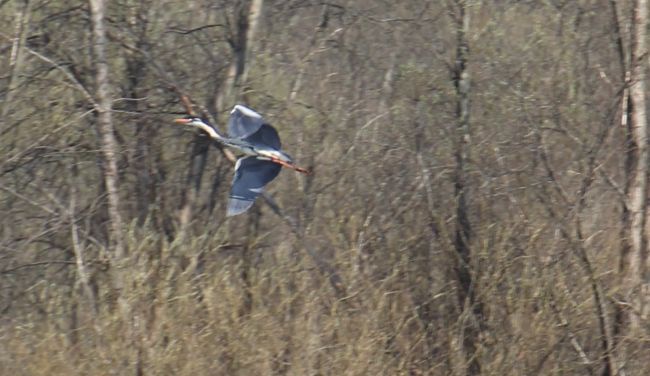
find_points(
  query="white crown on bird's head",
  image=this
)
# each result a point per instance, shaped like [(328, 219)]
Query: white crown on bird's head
[(191, 120)]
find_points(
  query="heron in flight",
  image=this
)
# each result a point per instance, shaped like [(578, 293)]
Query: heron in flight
[(262, 160)]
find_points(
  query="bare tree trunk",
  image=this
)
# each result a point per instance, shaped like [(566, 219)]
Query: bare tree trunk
[(103, 108), (146, 179), (638, 173), (463, 233), (614, 331), (108, 144), (16, 57), (625, 115), (254, 15), (247, 16), (198, 160)]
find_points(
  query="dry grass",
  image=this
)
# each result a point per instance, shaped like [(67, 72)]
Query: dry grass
[(201, 315), (189, 323)]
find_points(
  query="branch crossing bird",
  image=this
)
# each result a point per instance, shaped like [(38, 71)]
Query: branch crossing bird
[(263, 158)]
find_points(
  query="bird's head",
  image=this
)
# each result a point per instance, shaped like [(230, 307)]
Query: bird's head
[(197, 122), (191, 120)]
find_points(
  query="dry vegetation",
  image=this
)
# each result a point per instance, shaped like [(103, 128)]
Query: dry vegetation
[(425, 243)]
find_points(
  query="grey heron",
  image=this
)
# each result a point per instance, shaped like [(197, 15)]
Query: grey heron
[(263, 158)]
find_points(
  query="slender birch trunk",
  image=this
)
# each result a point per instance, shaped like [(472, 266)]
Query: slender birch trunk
[(16, 57), (105, 123), (638, 173)]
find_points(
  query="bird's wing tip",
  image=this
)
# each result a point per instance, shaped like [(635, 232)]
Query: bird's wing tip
[(237, 206)]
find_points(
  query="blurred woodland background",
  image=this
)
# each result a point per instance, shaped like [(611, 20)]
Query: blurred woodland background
[(478, 202)]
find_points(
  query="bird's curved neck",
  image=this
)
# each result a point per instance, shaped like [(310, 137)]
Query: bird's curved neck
[(211, 132), (237, 144)]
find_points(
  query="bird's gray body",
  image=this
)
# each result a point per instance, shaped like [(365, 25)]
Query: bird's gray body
[(255, 138), (263, 160)]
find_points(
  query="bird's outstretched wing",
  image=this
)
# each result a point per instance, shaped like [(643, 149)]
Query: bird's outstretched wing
[(243, 122), (251, 175), (267, 136)]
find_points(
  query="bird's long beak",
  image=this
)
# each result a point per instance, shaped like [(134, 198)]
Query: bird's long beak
[(182, 121), (291, 166)]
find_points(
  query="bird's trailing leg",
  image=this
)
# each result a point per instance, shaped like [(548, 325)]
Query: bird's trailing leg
[(291, 166)]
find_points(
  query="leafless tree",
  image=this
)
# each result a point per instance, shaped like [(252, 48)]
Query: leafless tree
[(105, 126), (638, 168)]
